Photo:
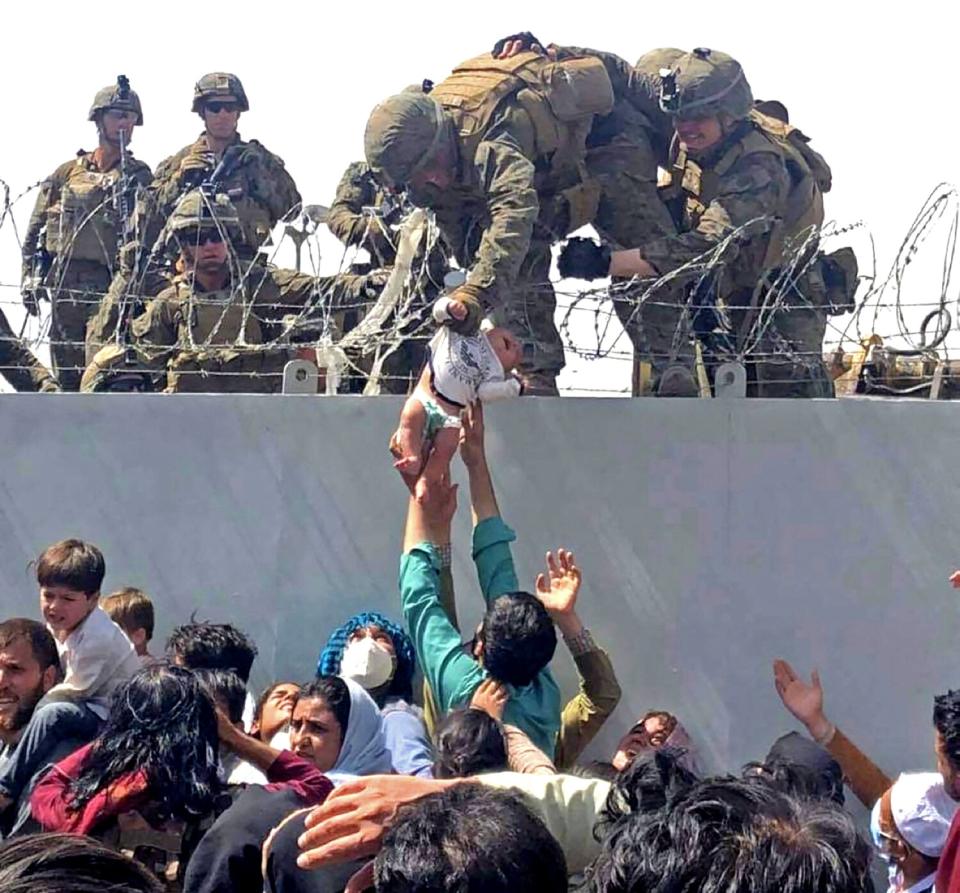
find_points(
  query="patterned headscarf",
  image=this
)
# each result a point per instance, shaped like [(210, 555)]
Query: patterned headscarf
[(401, 686)]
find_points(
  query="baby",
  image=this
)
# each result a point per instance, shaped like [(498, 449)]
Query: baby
[(468, 360)]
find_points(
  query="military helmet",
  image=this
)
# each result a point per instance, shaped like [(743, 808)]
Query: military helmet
[(706, 83), (117, 96), (200, 209), (649, 65), (217, 84), (116, 368), (402, 135)]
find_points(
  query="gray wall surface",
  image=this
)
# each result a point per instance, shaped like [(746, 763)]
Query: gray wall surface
[(714, 537)]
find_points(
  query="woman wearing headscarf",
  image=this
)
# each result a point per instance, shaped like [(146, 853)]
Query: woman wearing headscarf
[(375, 652), (655, 730), (336, 734)]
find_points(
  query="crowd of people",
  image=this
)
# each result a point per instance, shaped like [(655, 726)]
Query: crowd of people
[(708, 203), (419, 756)]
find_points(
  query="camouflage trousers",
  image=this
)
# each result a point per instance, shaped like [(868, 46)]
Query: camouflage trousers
[(528, 312), (630, 214), (785, 355), (75, 292), (19, 366)]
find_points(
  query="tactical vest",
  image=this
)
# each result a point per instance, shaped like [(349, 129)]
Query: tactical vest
[(561, 100), (809, 174), (84, 223), (214, 320)]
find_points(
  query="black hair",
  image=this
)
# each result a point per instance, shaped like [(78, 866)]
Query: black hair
[(603, 770), (226, 686), (43, 647), (72, 564), (265, 694), (215, 646), (518, 638), (469, 839), (730, 835), (334, 692), (645, 786), (468, 741), (796, 779), (69, 863), (946, 720), (162, 723)]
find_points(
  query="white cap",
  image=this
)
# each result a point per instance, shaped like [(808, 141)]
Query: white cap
[(922, 811)]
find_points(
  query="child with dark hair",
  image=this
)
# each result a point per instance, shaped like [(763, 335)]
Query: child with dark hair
[(95, 656), (378, 654), (156, 755), (219, 646), (469, 741), (335, 735)]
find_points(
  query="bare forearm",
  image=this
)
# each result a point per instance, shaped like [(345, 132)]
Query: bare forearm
[(483, 500), (422, 528), (630, 263), (570, 625), (253, 750)]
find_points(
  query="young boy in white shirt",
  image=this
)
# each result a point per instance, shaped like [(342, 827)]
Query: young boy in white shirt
[(95, 656)]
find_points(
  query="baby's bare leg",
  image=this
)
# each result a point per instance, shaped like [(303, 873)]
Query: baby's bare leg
[(438, 462), (407, 441)]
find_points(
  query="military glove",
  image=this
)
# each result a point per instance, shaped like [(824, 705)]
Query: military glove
[(526, 39), (30, 294), (584, 259)]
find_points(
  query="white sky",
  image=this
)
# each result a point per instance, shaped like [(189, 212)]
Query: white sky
[(871, 84)]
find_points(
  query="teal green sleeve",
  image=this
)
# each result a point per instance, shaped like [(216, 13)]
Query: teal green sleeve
[(492, 556), (452, 673)]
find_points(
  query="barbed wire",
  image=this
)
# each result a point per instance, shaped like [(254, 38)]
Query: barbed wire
[(394, 309)]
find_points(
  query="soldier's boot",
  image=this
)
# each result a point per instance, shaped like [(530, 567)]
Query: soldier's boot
[(540, 384)]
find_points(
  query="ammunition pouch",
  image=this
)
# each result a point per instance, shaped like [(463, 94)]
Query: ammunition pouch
[(82, 225), (840, 272)]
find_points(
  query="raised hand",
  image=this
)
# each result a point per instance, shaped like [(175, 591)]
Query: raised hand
[(803, 699), (557, 589), (491, 697), (955, 579)]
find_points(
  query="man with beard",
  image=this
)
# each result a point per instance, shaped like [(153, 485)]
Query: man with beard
[(29, 668)]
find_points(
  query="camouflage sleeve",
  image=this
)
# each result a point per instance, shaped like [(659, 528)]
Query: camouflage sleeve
[(276, 189), (46, 196), (751, 193), (154, 332), (619, 70), (347, 221), (506, 176)]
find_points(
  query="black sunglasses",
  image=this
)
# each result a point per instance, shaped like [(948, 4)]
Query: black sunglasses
[(201, 237), (217, 107)]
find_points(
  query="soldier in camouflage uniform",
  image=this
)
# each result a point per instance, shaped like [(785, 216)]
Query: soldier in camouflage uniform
[(19, 366), (81, 213), (512, 154), (255, 179), (364, 215), (215, 328), (624, 150), (733, 166)]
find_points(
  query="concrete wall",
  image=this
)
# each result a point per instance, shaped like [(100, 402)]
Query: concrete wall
[(714, 537)]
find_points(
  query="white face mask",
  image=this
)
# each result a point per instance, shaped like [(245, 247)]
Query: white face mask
[(367, 663)]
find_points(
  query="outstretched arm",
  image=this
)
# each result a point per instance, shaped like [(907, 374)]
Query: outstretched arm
[(491, 537), (452, 673), (805, 701), (599, 690)]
